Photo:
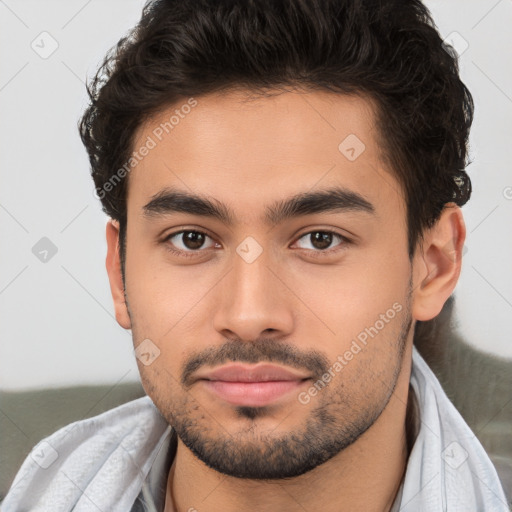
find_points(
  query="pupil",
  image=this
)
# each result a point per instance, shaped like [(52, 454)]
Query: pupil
[(321, 240), (193, 240)]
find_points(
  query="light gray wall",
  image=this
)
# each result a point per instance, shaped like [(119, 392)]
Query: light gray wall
[(57, 324)]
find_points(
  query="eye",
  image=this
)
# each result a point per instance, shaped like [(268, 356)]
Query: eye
[(321, 240), (188, 242)]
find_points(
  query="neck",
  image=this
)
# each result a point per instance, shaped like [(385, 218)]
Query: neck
[(364, 476)]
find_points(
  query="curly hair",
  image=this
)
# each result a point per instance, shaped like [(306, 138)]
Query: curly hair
[(387, 50)]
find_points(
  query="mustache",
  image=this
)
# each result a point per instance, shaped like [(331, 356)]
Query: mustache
[(265, 350)]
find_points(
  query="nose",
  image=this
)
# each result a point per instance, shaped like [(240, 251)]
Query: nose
[(254, 301)]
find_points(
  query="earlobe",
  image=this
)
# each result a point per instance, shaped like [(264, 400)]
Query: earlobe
[(113, 265), (437, 263)]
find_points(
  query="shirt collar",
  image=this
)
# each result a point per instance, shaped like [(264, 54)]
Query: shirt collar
[(152, 495)]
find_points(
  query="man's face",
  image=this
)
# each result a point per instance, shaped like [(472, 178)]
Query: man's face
[(252, 316)]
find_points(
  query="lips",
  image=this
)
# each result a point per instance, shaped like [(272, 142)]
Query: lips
[(251, 373), (251, 385)]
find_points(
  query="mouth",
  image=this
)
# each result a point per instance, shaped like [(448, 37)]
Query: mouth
[(251, 385)]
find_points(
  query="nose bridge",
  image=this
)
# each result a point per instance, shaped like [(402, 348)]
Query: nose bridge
[(252, 299), (250, 276)]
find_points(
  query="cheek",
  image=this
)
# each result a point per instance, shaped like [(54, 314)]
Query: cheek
[(363, 309), (167, 307), (369, 361), (161, 382), (164, 297), (349, 297)]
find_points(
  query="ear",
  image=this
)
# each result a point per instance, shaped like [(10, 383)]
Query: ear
[(113, 264), (437, 263)]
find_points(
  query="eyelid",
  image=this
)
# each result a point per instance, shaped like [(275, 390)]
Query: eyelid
[(181, 252), (326, 252), (332, 231)]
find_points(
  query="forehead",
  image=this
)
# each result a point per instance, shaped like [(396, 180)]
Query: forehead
[(245, 150)]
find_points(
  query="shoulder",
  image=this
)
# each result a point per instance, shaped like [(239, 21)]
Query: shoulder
[(107, 453), (447, 454)]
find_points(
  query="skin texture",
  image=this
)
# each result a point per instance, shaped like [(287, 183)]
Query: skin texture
[(286, 305)]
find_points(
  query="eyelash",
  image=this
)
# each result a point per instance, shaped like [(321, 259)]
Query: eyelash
[(314, 253)]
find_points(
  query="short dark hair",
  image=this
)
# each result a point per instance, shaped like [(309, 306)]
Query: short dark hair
[(389, 51)]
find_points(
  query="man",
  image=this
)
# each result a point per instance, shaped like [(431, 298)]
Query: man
[(284, 182)]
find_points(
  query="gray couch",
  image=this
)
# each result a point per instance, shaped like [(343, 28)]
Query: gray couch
[(479, 385)]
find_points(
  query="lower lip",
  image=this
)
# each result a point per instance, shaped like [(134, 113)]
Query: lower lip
[(252, 394)]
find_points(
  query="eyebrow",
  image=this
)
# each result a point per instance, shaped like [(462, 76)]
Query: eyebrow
[(333, 200)]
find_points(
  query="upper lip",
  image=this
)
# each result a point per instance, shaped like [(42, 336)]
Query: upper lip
[(250, 373)]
